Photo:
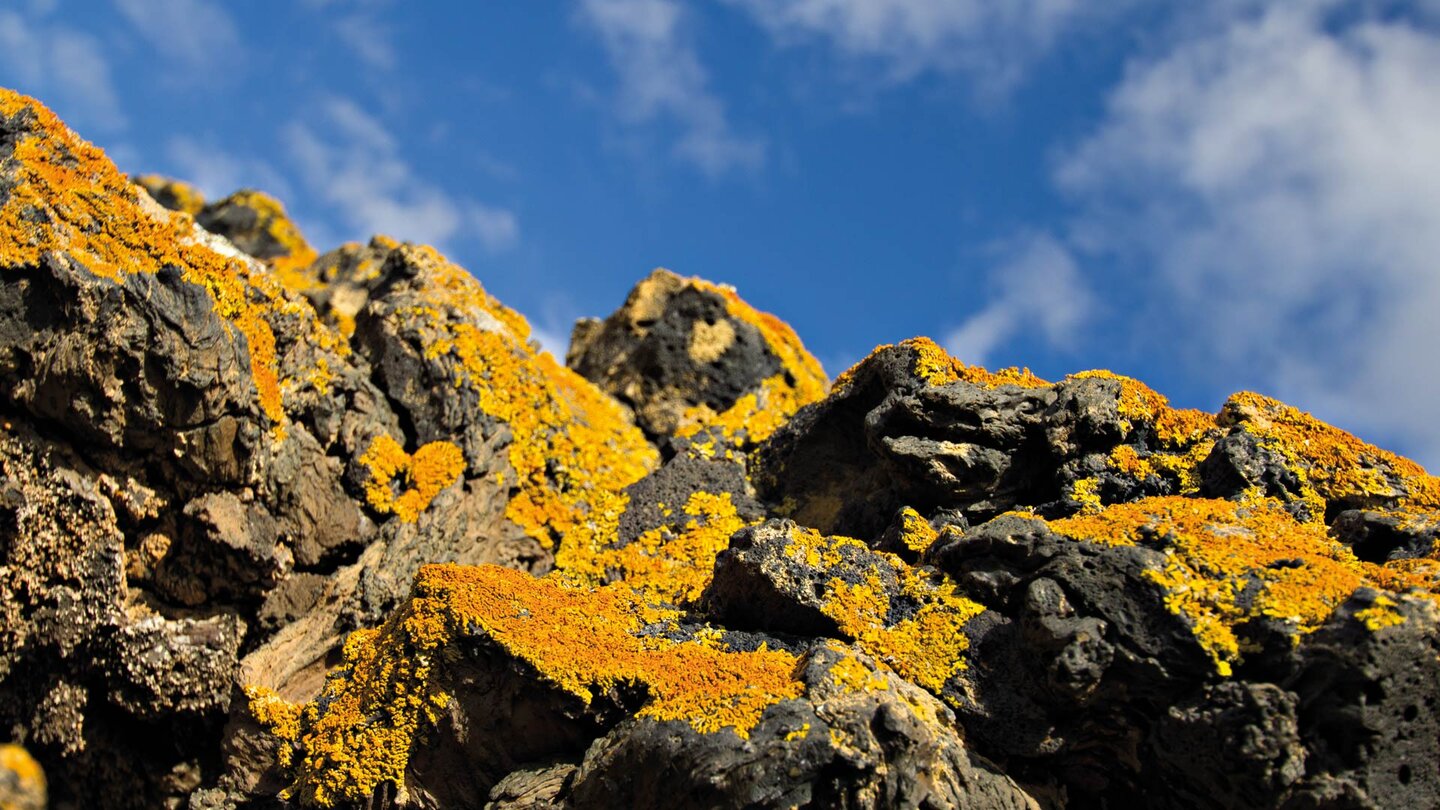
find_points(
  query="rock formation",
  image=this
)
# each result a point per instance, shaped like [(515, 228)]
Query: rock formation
[(280, 529)]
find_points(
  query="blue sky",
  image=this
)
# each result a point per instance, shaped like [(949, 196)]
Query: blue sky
[(1239, 196)]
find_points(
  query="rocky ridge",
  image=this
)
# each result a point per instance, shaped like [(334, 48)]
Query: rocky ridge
[(288, 529)]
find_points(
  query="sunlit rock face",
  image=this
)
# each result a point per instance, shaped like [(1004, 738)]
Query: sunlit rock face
[(287, 529)]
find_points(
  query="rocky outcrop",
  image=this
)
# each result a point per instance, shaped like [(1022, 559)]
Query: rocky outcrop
[(686, 354), (279, 530), (209, 484)]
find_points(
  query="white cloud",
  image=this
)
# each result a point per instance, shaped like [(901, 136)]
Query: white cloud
[(1282, 178), (993, 41), (1037, 290), (197, 34), (661, 79), (368, 38), (63, 67), (350, 162)]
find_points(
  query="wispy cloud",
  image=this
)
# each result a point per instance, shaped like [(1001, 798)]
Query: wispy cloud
[(351, 164), (662, 80), (366, 36), (218, 172), (65, 67), (199, 35), (993, 42), (1279, 177), (1037, 290)]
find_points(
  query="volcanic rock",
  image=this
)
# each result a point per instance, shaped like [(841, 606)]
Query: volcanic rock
[(279, 530)]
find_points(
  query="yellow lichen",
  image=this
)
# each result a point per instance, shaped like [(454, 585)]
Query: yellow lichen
[(278, 716), (1139, 404), (419, 477), (572, 447), (916, 533), (1086, 492), (1336, 464), (1178, 466), (669, 566), (1216, 550), (361, 730), (853, 676), (68, 199), (1380, 615), (928, 647), (798, 734)]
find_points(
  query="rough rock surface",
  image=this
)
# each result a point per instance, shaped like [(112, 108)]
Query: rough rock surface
[(279, 530)]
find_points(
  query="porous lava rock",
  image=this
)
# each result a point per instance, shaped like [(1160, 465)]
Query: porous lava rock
[(279, 530)]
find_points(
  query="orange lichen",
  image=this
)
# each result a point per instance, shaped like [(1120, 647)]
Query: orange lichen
[(68, 199), (1338, 465), (665, 565), (360, 732), (28, 778), (936, 366), (1216, 550), (419, 477)]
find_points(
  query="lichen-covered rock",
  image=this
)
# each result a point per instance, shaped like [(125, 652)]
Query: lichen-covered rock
[(339, 283), (912, 426), (686, 354), (487, 670), (22, 783), (176, 195), (226, 483), (860, 736), (782, 578), (660, 535), (257, 224), (1108, 632), (281, 531)]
